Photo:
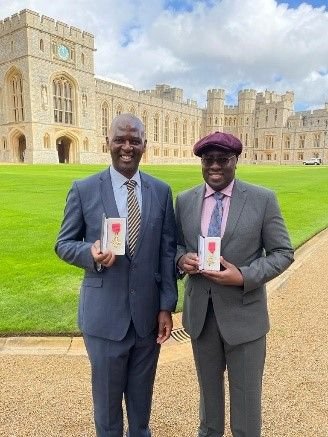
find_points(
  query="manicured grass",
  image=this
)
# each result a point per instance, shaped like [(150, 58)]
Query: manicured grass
[(39, 293)]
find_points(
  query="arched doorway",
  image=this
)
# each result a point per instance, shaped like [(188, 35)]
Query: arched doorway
[(21, 148), (63, 146)]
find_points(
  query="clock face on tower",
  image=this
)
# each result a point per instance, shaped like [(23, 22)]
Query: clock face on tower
[(63, 52)]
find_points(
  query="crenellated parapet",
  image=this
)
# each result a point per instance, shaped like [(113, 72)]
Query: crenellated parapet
[(288, 97), (269, 97), (27, 18), (216, 93), (247, 94), (231, 109)]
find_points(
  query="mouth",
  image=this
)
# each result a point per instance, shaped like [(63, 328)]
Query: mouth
[(126, 158), (216, 178), (215, 175)]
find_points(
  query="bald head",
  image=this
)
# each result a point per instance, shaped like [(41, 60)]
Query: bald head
[(126, 122)]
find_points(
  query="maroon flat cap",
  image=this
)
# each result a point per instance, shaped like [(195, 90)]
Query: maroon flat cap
[(221, 140)]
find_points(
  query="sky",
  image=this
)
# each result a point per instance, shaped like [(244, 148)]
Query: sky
[(198, 45)]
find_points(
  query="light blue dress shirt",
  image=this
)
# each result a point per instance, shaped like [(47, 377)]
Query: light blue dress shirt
[(121, 192)]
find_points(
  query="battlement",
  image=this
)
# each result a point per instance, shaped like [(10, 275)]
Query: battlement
[(268, 97), (166, 92), (192, 103), (231, 108), (28, 18), (288, 96), (247, 94), (216, 93)]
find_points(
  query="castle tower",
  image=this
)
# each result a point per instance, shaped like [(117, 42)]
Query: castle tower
[(47, 78), (246, 101), (246, 116), (215, 110)]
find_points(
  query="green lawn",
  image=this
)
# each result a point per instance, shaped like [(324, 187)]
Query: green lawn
[(39, 293)]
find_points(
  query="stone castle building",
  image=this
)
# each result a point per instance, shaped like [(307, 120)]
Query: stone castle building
[(53, 109)]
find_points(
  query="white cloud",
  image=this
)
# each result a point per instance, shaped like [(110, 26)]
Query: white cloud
[(235, 43)]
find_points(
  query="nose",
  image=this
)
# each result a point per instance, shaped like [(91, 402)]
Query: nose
[(216, 164), (127, 144)]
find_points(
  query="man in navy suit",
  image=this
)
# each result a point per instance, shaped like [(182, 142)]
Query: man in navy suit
[(126, 301)]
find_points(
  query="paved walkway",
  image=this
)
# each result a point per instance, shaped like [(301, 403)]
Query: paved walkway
[(45, 382)]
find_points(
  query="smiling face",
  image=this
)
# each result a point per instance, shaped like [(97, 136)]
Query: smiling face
[(126, 144), (218, 167)]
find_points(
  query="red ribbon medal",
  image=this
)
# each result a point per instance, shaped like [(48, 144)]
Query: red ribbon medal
[(211, 246), (116, 227)]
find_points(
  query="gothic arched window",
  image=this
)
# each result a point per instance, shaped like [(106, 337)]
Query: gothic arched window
[(175, 131), (63, 100), (156, 127), (167, 129), (145, 122), (16, 97), (104, 119), (119, 109), (184, 132)]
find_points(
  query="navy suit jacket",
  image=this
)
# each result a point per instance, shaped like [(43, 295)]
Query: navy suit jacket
[(132, 288)]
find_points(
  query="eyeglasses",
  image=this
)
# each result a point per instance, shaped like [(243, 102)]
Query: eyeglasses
[(221, 160)]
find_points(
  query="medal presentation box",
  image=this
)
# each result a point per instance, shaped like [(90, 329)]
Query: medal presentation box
[(209, 249), (113, 235)]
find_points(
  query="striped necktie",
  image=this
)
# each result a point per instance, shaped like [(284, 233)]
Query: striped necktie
[(133, 216), (214, 228)]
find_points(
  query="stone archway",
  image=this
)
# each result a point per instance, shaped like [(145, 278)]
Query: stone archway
[(21, 150), (64, 150), (16, 145)]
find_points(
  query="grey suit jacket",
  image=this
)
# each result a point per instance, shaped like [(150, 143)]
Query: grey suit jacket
[(136, 288), (255, 240)]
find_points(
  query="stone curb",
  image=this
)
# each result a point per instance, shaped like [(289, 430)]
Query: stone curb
[(172, 349), (69, 346)]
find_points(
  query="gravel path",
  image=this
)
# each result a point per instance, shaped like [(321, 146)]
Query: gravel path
[(50, 395)]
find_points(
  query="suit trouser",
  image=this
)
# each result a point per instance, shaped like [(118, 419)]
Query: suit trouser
[(245, 365), (122, 367)]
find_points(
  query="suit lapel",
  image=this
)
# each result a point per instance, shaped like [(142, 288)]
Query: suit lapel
[(197, 205), (238, 199), (107, 195)]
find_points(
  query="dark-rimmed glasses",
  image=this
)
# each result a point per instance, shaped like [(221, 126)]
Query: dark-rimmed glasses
[(221, 160)]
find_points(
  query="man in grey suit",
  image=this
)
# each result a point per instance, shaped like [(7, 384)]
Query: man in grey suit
[(225, 312), (126, 301)]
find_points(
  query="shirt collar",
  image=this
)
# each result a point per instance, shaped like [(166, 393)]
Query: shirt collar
[(227, 191), (118, 180)]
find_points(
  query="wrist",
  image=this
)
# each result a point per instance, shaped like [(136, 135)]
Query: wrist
[(180, 263)]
